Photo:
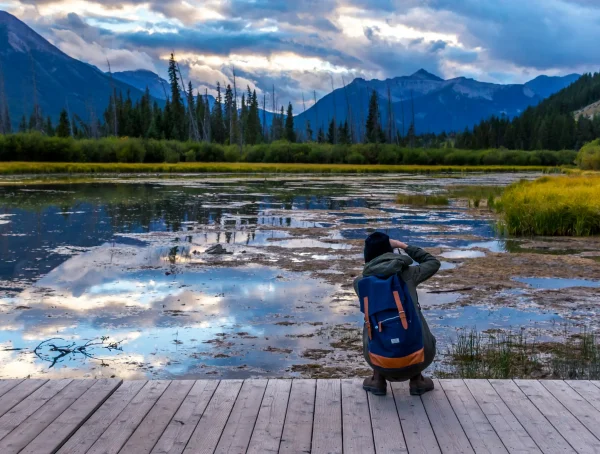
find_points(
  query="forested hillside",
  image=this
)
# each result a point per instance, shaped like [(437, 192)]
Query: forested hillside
[(552, 125)]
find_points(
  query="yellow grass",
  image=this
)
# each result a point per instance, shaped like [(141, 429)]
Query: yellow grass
[(16, 168), (561, 206)]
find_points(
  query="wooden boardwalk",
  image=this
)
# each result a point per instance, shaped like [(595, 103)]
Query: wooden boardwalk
[(297, 416)]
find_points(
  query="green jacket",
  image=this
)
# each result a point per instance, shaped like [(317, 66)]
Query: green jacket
[(389, 264)]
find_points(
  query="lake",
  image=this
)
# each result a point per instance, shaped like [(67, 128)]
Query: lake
[(114, 276)]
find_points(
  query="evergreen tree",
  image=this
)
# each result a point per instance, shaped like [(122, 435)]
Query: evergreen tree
[(228, 115), (331, 136), (49, 129), (217, 125), (374, 132), (200, 107), (321, 136), (176, 125), (23, 126), (344, 136), (290, 134), (64, 125), (309, 132)]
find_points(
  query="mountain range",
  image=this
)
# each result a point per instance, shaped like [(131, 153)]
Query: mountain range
[(34, 70), (439, 105)]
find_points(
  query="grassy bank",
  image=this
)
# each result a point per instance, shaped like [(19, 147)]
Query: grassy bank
[(553, 206), (507, 355), (21, 168)]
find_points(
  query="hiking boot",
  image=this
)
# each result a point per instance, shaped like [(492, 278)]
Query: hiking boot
[(420, 385), (376, 384)]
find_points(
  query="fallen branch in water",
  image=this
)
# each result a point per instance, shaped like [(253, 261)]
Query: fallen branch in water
[(56, 352), (454, 290)]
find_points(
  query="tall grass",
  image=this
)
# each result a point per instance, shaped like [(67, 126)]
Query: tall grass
[(21, 168), (506, 355), (553, 206), (421, 200)]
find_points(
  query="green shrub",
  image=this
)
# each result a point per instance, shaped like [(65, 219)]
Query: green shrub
[(190, 156), (588, 157), (356, 158), (172, 157), (232, 153)]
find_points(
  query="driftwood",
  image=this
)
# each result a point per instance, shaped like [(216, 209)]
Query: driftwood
[(50, 350), (454, 290)]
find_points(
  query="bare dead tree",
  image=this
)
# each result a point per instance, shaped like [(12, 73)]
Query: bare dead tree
[(191, 116), (390, 117), (349, 112), (334, 112), (264, 125), (241, 123), (316, 112), (114, 95), (305, 119), (37, 115), (207, 117), (5, 125)]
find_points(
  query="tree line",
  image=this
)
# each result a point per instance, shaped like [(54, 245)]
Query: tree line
[(551, 125), (189, 116)]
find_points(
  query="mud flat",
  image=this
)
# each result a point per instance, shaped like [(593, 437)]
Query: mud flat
[(122, 278)]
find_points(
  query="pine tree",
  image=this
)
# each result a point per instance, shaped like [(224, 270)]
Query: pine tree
[(331, 133), (200, 107), (23, 126), (64, 125), (374, 132), (290, 134), (176, 120), (228, 115), (309, 132), (321, 136), (217, 125), (344, 136), (49, 129)]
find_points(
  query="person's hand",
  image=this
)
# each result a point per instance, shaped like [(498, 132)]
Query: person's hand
[(398, 244)]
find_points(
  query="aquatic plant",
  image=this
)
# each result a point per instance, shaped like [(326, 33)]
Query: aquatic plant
[(508, 355), (421, 200), (553, 206)]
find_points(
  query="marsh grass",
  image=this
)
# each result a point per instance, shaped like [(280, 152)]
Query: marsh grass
[(553, 206), (422, 200), (507, 355), (38, 168)]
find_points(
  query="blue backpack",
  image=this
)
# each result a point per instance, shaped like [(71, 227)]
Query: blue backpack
[(393, 324)]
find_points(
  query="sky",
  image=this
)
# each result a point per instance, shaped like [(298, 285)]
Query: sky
[(303, 46)]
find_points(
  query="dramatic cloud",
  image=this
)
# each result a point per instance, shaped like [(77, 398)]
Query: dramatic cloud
[(298, 46)]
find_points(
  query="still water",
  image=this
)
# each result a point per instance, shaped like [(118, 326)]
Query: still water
[(112, 277)]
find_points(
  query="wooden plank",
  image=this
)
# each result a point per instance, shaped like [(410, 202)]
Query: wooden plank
[(206, 436), (53, 436), (7, 385), (28, 406), (533, 421), (268, 429), (18, 393), (119, 431), (297, 429), (449, 433), (94, 427), (563, 421), (356, 419), (35, 424), (156, 421), (178, 432), (416, 427), (514, 437), (385, 422), (238, 430), (587, 390), (577, 405), (327, 423), (478, 429)]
